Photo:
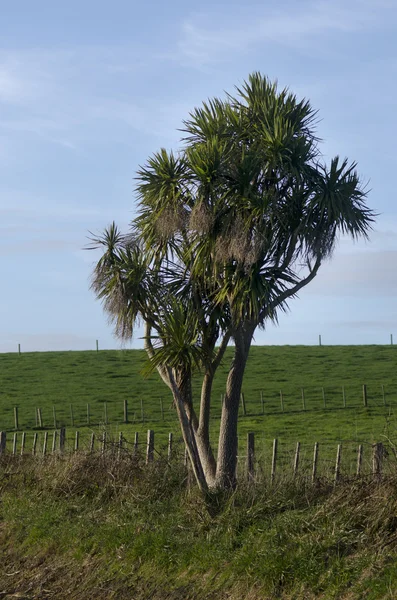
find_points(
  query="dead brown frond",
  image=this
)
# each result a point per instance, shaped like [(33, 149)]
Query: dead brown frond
[(100, 277), (170, 221), (240, 244), (222, 249), (201, 219)]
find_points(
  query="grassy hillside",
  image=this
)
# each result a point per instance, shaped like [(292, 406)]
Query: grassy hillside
[(82, 527), (104, 379)]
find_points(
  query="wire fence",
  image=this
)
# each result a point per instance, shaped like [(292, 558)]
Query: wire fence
[(254, 403), (266, 460)]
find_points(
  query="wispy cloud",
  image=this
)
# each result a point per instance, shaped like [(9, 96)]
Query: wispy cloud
[(14, 211), (366, 274), (36, 247), (12, 89), (290, 24), (63, 96)]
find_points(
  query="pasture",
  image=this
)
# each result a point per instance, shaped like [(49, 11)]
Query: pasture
[(321, 397)]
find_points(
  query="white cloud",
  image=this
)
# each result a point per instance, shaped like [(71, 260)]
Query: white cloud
[(365, 274), (12, 88), (14, 209), (62, 95), (295, 25), (30, 247)]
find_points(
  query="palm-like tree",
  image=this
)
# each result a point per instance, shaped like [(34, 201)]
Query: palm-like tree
[(229, 230)]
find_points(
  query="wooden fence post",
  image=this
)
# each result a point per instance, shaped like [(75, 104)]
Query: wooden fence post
[(34, 444), (303, 399), (45, 443), (103, 442), (150, 446), (344, 396), (3, 441), (92, 442), (16, 423), (365, 398), (359, 459), (54, 441), (296, 459), (14, 444), (125, 411), (136, 442), (262, 403), (23, 440), (281, 401), (76, 440), (39, 418), (315, 460), (170, 439), (120, 445), (54, 414), (250, 455), (337, 464), (377, 457), (242, 399), (105, 409), (274, 461), (62, 439)]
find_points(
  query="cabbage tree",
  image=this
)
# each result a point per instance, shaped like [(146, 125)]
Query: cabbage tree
[(229, 229)]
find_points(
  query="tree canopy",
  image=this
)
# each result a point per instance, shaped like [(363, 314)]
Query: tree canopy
[(230, 228)]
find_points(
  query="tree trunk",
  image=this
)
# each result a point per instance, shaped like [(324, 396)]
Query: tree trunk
[(184, 385), (188, 436), (227, 448), (203, 431)]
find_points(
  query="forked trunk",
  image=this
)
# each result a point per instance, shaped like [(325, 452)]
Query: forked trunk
[(203, 433), (188, 437), (228, 441)]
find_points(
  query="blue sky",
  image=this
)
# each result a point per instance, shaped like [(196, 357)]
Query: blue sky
[(89, 89)]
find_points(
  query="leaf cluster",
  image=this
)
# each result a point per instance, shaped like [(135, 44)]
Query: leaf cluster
[(231, 226)]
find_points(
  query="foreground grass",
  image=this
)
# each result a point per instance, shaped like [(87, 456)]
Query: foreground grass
[(88, 527)]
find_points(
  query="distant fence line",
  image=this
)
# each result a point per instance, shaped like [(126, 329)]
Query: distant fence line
[(369, 461), (320, 343), (267, 402)]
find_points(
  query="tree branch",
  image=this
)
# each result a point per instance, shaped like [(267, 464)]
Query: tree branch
[(291, 291), (162, 371), (221, 351)]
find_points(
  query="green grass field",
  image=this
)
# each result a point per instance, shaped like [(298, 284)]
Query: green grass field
[(104, 379)]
